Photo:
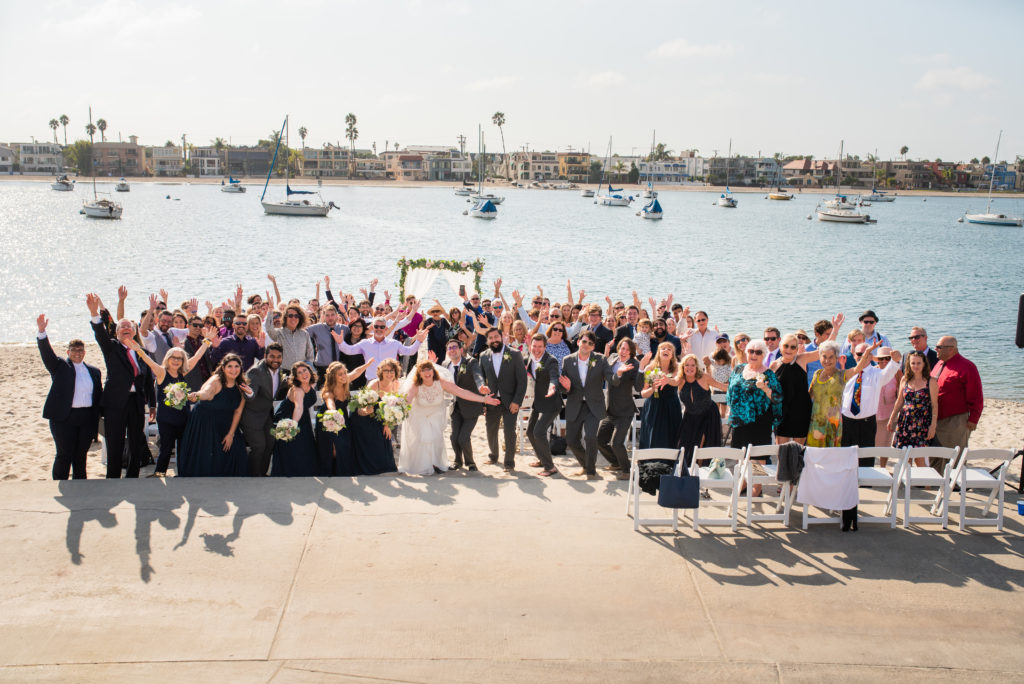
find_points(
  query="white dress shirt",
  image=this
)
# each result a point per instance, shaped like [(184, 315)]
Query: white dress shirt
[(872, 382), (83, 387), (275, 382), (388, 348), (582, 365), (703, 344), (496, 357)]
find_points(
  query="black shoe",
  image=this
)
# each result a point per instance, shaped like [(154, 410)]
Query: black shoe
[(471, 467), (454, 466), (437, 471)]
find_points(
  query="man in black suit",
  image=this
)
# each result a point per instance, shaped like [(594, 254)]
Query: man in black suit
[(72, 404), (547, 402), (628, 330), (269, 383), (464, 414), (919, 341), (621, 408), (505, 375), (583, 376), (129, 388), (594, 325)]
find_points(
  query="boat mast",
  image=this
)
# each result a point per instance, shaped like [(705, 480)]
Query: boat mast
[(480, 159), (839, 169), (992, 174), (92, 162), (650, 160), (274, 160), (728, 161)]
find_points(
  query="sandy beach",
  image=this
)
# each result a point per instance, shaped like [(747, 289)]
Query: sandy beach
[(27, 447)]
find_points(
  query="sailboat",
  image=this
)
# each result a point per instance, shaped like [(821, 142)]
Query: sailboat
[(649, 193), (876, 194), (484, 204), (122, 186), (726, 199), (293, 207), (988, 218), (779, 193), (99, 208), (612, 197), (839, 209), (63, 184), (233, 186)]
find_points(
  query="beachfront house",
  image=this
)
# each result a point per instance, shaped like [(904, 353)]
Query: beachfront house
[(39, 159), (117, 159), (6, 160)]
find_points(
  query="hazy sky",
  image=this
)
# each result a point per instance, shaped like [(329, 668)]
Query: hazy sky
[(791, 77)]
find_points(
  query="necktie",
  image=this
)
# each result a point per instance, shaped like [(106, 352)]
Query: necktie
[(855, 404), (334, 348), (167, 337), (131, 360)]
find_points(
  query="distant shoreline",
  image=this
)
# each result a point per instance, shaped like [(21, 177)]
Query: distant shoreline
[(336, 182)]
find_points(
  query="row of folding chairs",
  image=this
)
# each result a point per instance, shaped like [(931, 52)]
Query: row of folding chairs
[(910, 473)]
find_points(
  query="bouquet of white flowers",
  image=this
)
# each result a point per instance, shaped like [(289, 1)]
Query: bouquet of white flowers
[(332, 421), (285, 430), (363, 398), (652, 374), (176, 395), (393, 409)]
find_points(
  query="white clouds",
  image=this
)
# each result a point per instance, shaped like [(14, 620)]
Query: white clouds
[(493, 83), (130, 21), (683, 48), (602, 79), (961, 78)]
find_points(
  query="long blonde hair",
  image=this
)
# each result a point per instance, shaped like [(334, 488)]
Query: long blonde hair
[(336, 386), (673, 365), (682, 363)]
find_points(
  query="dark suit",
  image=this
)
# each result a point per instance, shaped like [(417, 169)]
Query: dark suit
[(258, 415), (624, 331), (545, 409), (125, 397), (73, 429), (584, 407), (603, 335), (620, 408), (465, 413), (510, 388)]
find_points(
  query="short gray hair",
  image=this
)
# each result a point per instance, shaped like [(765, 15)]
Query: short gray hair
[(829, 346), (759, 345)]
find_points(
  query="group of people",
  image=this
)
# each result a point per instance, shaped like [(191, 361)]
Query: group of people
[(248, 365)]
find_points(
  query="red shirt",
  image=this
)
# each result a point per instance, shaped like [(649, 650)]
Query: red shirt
[(959, 388)]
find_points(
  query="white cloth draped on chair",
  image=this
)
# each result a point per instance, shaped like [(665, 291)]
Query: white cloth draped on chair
[(829, 478)]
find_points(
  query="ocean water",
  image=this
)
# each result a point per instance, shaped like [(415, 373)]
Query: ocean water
[(761, 264)]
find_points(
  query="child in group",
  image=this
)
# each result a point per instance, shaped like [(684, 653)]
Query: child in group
[(721, 369), (642, 337)]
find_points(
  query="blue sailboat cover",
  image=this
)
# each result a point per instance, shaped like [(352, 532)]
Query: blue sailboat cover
[(289, 190), (653, 207), (232, 180), (487, 207)]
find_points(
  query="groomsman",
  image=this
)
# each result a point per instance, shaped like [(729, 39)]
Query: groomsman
[(602, 334), (583, 376), (505, 377), (620, 408), (72, 404), (629, 329), (129, 388), (269, 383), (547, 402), (464, 414)]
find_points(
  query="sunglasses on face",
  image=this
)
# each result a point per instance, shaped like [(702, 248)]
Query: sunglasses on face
[(702, 320), (380, 327), (474, 299), (754, 352), (292, 316), (243, 323), (587, 342), (915, 337), (883, 358), (868, 321), (195, 325), (790, 346), (770, 339), (557, 330), (803, 338)]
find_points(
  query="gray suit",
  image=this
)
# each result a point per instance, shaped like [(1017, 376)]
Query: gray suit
[(465, 413), (545, 409), (611, 434), (258, 416), (510, 388), (584, 407)]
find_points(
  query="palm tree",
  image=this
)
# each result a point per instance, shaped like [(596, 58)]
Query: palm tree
[(102, 125), (499, 120), (91, 130), (64, 121), (351, 132), (903, 152), (54, 125), (302, 134), (619, 167), (396, 146), (660, 153), (219, 145)]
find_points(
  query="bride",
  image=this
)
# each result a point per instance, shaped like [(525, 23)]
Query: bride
[(423, 450)]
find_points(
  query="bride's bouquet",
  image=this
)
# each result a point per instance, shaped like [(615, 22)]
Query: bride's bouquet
[(176, 395), (285, 430), (332, 421), (364, 398), (652, 374), (393, 409)]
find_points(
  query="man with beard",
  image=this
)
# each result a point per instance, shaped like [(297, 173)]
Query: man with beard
[(661, 334), (505, 378), (268, 383)]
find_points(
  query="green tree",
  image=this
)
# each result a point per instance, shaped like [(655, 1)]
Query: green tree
[(78, 156), (91, 130), (594, 176), (975, 161), (985, 160), (903, 151), (634, 173), (64, 121), (169, 143), (352, 133), (619, 167), (499, 120), (102, 125), (54, 125), (660, 153), (949, 175)]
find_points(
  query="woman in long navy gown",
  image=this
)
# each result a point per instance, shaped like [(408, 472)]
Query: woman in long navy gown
[(335, 455), (661, 416), (371, 439), (298, 456), (702, 423), (211, 446)]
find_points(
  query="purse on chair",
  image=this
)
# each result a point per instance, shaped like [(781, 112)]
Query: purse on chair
[(679, 491)]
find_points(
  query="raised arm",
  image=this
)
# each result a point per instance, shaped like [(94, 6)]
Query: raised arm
[(122, 295), (208, 391), (158, 371), (356, 372), (277, 292), (451, 388), (45, 348)]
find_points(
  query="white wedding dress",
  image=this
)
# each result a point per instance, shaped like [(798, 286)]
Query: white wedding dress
[(423, 443)]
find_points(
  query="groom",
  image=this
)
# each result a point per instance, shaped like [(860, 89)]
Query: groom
[(505, 378), (466, 374), (583, 377)]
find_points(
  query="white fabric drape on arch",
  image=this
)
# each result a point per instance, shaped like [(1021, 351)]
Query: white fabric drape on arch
[(419, 280)]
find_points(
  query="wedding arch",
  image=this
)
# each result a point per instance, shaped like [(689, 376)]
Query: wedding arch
[(417, 275)]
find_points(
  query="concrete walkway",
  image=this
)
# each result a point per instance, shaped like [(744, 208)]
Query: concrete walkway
[(463, 578)]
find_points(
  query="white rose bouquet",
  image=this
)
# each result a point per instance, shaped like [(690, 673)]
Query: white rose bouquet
[(651, 374), (285, 430), (332, 421), (393, 409), (176, 395), (364, 398)]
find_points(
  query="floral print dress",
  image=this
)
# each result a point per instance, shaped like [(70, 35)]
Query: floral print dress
[(914, 419), (826, 410)]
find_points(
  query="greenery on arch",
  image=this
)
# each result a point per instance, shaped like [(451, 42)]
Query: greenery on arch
[(404, 265)]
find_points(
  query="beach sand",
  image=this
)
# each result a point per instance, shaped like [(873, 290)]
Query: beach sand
[(26, 447)]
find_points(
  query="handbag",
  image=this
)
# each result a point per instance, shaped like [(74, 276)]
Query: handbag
[(679, 491)]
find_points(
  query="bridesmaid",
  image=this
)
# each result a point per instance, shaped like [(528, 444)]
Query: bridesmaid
[(662, 416), (356, 332), (298, 457), (335, 455), (210, 446), (171, 421), (702, 423), (371, 440)]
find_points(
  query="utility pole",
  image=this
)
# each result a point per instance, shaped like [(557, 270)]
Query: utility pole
[(184, 152)]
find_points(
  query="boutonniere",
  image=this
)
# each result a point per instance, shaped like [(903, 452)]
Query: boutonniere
[(507, 357), (592, 363), (540, 366)]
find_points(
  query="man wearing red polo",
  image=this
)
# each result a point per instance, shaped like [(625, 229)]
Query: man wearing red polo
[(960, 396)]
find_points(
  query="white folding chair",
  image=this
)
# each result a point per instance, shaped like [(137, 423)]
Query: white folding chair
[(878, 477), (633, 493), (634, 427), (729, 485), (522, 420), (722, 399), (833, 465), (784, 499), (926, 476), (980, 478)]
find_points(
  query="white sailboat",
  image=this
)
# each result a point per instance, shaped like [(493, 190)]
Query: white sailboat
[(779, 193), (726, 199), (233, 186), (839, 209), (484, 206), (876, 194), (988, 218), (63, 184), (611, 197), (122, 186), (293, 207), (100, 208), (650, 193)]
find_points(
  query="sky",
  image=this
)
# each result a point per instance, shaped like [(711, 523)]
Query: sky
[(790, 77)]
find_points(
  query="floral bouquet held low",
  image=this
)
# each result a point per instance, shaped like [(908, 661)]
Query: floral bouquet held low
[(392, 410), (332, 421), (176, 395), (285, 430), (364, 401), (651, 375)]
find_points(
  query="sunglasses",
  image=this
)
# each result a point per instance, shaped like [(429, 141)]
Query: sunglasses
[(241, 323), (702, 320), (292, 316), (915, 337), (754, 352), (803, 338), (742, 339), (790, 346), (586, 342), (195, 325), (380, 327), (558, 330), (475, 299), (770, 339), (619, 307), (868, 321), (883, 358)]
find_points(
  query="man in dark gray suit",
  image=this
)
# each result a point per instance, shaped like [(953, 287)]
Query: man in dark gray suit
[(547, 402), (268, 383), (466, 374), (583, 376), (620, 409), (505, 377)]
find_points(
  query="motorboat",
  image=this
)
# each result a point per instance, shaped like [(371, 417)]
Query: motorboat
[(484, 209), (586, 192), (293, 207), (844, 215), (989, 218), (879, 196), (122, 186), (464, 192), (63, 184), (727, 200), (489, 197), (779, 194), (232, 186), (651, 210)]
